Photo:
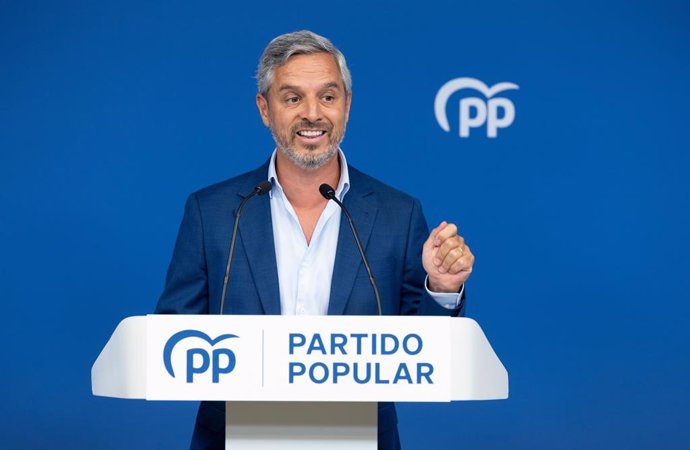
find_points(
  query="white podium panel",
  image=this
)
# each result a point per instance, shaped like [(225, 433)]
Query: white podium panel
[(301, 426), (298, 358)]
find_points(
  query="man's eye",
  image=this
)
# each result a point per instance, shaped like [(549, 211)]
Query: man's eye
[(292, 100), (329, 98)]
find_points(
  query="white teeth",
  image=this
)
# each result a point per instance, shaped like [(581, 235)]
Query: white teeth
[(310, 133)]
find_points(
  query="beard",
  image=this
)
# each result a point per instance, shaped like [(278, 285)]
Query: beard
[(308, 160)]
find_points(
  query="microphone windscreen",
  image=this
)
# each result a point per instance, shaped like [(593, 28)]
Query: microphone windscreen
[(263, 187), (327, 191)]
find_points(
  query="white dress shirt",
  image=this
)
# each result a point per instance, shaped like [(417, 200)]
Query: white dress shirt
[(305, 270)]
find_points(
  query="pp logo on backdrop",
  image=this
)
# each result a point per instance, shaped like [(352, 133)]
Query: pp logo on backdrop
[(495, 112), (199, 360)]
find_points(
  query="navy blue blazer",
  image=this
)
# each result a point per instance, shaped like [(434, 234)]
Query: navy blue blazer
[(392, 229)]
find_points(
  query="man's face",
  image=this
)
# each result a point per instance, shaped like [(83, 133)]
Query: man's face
[(307, 109)]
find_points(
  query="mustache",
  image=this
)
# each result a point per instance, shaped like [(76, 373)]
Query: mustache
[(306, 125)]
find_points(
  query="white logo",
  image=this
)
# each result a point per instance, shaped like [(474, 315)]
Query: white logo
[(474, 111)]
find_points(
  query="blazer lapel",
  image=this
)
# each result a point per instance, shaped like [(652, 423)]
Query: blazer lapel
[(256, 235), (361, 203)]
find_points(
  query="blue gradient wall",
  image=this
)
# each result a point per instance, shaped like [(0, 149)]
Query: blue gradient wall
[(111, 113)]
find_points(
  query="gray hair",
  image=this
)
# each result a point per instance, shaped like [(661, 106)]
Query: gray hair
[(304, 42)]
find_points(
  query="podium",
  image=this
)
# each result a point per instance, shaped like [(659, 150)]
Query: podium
[(299, 382)]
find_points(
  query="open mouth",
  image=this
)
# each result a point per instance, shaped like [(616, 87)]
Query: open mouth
[(311, 133)]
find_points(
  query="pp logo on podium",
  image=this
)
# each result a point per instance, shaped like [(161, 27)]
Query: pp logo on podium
[(199, 360), (495, 112)]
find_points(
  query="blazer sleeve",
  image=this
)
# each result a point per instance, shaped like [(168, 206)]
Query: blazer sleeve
[(186, 284), (415, 298)]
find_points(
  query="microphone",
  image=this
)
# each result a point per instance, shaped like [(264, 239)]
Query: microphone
[(260, 189), (329, 194)]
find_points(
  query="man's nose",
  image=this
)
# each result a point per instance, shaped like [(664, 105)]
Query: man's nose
[(312, 110)]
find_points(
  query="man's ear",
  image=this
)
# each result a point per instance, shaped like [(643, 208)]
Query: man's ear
[(348, 102), (262, 104)]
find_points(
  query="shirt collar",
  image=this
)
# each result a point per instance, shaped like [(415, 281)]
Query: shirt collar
[(340, 191)]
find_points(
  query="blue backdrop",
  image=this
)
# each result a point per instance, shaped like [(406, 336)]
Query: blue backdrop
[(112, 112)]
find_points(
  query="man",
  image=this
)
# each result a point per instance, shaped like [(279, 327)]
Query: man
[(294, 254)]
